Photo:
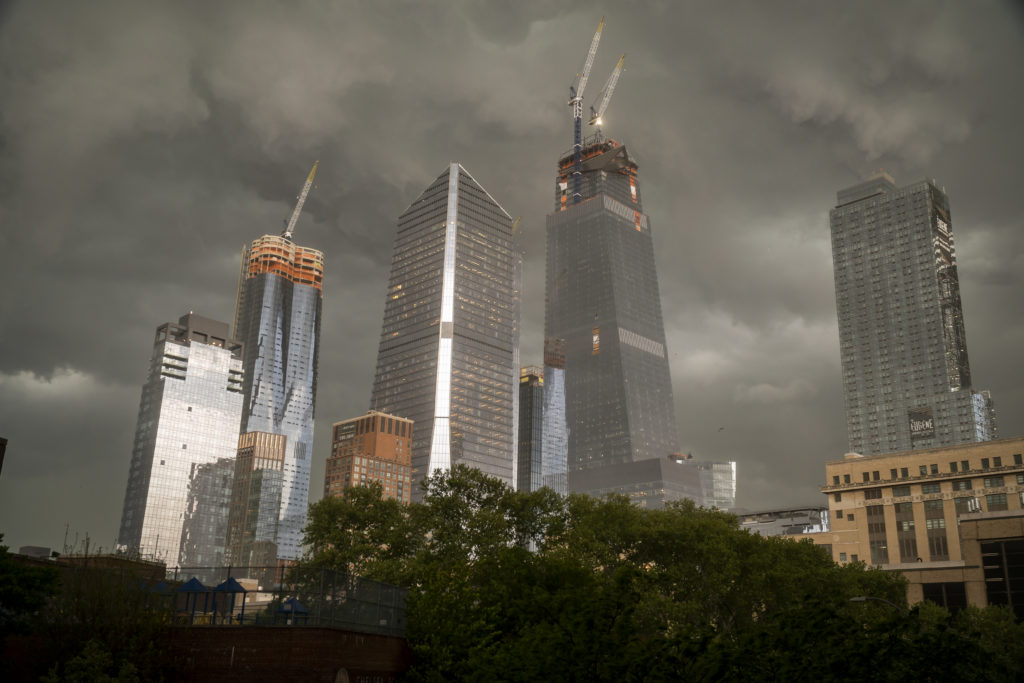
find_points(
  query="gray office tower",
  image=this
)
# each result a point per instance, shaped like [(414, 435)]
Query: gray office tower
[(603, 301), (277, 316), (175, 504), (906, 377), (447, 357), (543, 432), (531, 429)]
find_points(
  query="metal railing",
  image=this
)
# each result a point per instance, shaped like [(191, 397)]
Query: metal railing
[(285, 596)]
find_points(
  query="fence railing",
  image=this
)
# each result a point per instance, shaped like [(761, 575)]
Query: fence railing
[(292, 596)]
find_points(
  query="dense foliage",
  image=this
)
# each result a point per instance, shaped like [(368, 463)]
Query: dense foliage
[(514, 586)]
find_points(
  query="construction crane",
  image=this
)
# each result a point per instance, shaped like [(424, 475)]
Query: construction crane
[(606, 94), (289, 228), (576, 102)]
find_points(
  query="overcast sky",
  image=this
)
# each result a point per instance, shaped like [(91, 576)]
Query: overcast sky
[(142, 145)]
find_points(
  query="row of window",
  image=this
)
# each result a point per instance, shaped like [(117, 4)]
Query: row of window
[(933, 468), (935, 487)]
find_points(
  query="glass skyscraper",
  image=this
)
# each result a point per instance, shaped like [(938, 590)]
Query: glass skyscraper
[(531, 428), (277, 317), (603, 301), (447, 358), (187, 428), (906, 376)]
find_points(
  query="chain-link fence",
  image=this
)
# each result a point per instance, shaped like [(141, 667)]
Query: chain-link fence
[(291, 596)]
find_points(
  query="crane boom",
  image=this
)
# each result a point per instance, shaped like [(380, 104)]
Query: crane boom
[(290, 228), (605, 95), (585, 74)]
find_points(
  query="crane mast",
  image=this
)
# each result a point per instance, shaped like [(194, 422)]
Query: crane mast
[(290, 227), (576, 102)]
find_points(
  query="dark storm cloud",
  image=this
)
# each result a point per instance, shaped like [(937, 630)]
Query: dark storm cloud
[(142, 146)]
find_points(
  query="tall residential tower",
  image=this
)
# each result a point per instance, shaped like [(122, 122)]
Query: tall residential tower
[(277, 316), (603, 301), (175, 505), (906, 376), (448, 357)]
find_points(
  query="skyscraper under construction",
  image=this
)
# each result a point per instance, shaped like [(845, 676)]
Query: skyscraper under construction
[(906, 376), (277, 317), (447, 358), (603, 301)]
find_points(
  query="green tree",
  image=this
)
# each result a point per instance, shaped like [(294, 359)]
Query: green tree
[(24, 590), (505, 585)]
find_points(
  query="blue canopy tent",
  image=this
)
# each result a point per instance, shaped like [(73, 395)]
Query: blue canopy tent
[(232, 588), (293, 610), (192, 589)]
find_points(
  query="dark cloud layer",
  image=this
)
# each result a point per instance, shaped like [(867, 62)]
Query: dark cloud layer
[(141, 146)]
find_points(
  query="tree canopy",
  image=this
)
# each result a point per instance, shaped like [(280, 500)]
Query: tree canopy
[(507, 585)]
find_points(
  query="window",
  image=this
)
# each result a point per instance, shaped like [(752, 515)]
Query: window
[(866, 477), (997, 462), (952, 466), (839, 514), (939, 523), (838, 497), (963, 505), (850, 515), (984, 463), (934, 468), (853, 558), (1018, 458), (965, 465), (992, 482), (846, 478), (875, 476), (898, 491), (835, 480), (995, 502), (842, 557), (872, 494), (892, 473), (962, 485), (930, 488), (923, 469), (904, 473), (1020, 478)]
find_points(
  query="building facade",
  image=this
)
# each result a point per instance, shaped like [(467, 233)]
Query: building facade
[(254, 513), (531, 428), (719, 480), (277, 317), (447, 358), (188, 422), (909, 512), (555, 444), (204, 530), (603, 302), (906, 375), (372, 447)]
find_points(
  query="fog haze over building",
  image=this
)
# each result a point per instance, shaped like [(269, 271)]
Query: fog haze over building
[(141, 147)]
